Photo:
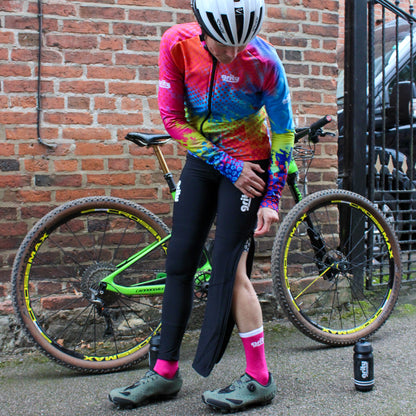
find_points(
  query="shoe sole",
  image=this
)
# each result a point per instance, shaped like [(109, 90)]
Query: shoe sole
[(127, 404), (226, 408)]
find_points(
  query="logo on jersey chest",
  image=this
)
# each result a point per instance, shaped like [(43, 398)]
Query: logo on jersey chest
[(230, 78)]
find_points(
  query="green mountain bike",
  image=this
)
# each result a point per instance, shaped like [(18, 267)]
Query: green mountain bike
[(88, 279)]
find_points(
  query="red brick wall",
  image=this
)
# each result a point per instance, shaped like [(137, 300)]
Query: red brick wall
[(99, 81)]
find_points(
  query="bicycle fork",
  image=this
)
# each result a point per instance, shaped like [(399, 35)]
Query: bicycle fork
[(322, 261)]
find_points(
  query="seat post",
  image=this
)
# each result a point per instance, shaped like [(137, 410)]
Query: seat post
[(165, 169), (161, 159)]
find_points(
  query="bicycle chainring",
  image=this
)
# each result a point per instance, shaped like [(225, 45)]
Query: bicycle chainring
[(201, 284)]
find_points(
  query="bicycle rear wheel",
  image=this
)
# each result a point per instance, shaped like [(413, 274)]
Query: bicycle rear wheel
[(336, 267), (56, 275)]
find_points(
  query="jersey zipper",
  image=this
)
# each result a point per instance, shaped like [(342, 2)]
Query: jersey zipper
[(210, 90)]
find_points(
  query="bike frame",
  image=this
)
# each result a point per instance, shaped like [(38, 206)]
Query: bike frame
[(156, 286)]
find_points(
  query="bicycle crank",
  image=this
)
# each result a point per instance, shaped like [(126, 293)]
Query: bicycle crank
[(201, 285)]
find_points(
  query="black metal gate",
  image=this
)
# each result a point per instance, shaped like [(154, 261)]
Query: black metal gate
[(377, 114)]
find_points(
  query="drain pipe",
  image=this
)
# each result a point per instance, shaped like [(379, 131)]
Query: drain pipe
[(39, 99)]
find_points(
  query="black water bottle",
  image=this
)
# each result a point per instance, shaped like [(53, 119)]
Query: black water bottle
[(363, 366), (153, 350)]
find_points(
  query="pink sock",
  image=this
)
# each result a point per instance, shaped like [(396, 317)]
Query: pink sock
[(253, 343), (165, 368)]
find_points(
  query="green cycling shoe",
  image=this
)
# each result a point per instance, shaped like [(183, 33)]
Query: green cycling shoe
[(244, 392), (151, 387)]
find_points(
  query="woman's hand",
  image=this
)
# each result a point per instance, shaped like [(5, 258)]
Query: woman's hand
[(265, 218), (249, 183)]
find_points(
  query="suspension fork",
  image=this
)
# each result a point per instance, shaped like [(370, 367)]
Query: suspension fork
[(317, 243)]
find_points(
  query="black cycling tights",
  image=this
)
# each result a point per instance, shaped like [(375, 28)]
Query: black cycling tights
[(204, 194)]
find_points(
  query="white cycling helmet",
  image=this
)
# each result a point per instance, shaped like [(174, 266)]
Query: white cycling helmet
[(230, 22)]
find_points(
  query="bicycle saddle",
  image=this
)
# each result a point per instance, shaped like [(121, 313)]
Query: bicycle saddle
[(146, 139)]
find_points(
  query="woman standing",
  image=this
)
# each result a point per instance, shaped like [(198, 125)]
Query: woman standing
[(223, 94)]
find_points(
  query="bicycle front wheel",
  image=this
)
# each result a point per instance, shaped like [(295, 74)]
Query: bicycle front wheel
[(336, 267), (56, 279)]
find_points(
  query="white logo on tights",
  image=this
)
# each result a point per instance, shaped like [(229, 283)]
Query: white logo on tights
[(178, 191), (245, 203)]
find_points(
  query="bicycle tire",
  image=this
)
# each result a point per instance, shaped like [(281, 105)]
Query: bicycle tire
[(59, 265), (340, 290)]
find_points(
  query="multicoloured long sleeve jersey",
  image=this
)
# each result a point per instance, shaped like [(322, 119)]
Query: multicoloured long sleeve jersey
[(218, 111)]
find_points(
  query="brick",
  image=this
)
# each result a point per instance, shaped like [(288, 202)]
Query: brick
[(21, 22), (70, 194), (104, 58), (142, 3), (53, 102), (92, 164), (137, 88), (83, 26), (178, 4), (35, 211), (34, 196), (65, 165), (8, 214), (111, 43), (316, 56), (86, 149), (36, 165), (142, 45), (61, 71), (150, 15), (68, 118), (61, 9), (148, 73), (135, 58), (17, 229), (71, 41), (26, 86), (119, 119), (24, 102), (11, 6), (58, 180), (15, 70), (86, 133), (102, 103), (9, 165), (81, 87), (18, 118), (143, 163), (134, 29), (111, 72), (136, 194), (113, 179), (318, 30), (79, 103), (119, 164), (31, 149), (101, 13), (130, 104)]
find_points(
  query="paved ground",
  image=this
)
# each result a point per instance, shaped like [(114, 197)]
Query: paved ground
[(313, 380)]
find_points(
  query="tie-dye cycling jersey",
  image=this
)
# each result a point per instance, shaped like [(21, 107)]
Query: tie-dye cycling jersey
[(218, 111)]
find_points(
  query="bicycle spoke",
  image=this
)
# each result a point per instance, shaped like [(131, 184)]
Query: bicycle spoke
[(326, 271), (92, 328)]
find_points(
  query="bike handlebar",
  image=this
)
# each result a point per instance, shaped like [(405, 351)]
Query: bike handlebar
[(312, 129)]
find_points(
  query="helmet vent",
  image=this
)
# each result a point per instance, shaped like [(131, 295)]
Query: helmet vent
[(219, 30)]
